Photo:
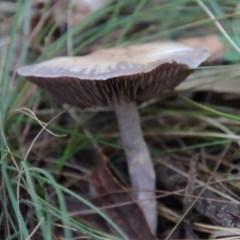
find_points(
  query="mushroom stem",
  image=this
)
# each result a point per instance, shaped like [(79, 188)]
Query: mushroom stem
[(140, 165)]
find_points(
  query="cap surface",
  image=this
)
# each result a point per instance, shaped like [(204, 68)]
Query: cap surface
[(137, 72)]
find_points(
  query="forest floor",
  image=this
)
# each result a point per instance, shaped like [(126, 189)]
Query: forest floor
[(63, 169)]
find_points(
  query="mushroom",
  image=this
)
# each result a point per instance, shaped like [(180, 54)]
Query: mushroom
[(118, 77)]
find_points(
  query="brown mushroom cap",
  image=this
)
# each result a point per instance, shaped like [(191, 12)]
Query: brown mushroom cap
[(132, 73)]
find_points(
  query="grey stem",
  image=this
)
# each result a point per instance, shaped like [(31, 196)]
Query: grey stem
[(140, 165)]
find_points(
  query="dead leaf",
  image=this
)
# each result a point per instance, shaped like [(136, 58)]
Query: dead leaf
[(224, 80), (216, 208), (213, 43), (128, 217)]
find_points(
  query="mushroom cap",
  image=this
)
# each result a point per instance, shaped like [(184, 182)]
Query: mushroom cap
[(137, 72)]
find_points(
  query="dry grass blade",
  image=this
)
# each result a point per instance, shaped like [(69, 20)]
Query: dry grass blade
[(218, 25), (191, 181), (110, 192), (220, 212), (44, 178)]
